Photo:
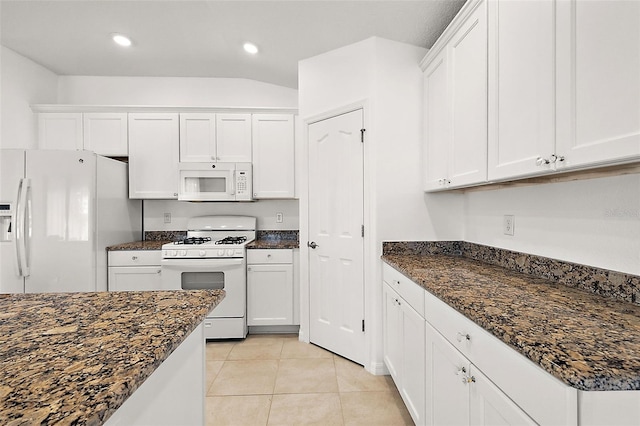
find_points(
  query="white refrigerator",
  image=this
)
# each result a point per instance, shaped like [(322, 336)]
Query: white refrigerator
[(59, 210)]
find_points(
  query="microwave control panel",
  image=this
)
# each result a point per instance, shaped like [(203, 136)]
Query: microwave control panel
[(241, 183)]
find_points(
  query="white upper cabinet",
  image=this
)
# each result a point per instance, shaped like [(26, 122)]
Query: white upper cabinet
[(207, 137), (437, 123), (105, 133), (521, 88), (60, 130), (468, 94), (455, 101), (273, 156), (233, 138), (153, 155), (198, 137), (598, 82)]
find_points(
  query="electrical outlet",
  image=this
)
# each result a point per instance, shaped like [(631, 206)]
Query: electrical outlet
[(508, 224), (279, 217), (167, 218)]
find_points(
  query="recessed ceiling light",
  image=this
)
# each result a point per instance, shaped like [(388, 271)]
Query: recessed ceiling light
[(121, 40), (250, 48)]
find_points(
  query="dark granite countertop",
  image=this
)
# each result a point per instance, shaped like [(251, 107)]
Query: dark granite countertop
[(139, 245), (268, 239), (74, 358), (587, 341)]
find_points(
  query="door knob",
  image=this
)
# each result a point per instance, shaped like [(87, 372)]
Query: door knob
[(312, 244)]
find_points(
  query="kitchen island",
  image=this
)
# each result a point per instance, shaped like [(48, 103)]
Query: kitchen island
[(77, 358)]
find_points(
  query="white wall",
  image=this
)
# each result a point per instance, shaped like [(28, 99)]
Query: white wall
[(23, 83), (181, 211), (594, 222), (174, 91)]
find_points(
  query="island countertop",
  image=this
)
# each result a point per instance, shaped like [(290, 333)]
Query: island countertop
[(74, 358), (585, 340)]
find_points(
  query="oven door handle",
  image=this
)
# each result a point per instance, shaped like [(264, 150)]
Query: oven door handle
[(202, 262)]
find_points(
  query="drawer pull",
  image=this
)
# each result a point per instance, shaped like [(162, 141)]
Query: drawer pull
[(462, 336)]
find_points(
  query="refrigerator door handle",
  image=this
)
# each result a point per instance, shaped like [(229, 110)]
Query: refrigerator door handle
[(27, 231), (21, 228)]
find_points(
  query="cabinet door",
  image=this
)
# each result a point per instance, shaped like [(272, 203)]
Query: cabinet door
[(412, 386), (273, 156), (447, 394), (521, 88), (489, 406), (437, 124), (270, 294), (106, 133), (198, 137), (598, 81), (392, 333), (135, 278), (468, 96), (153, 156), (60, 130), (233, 138)]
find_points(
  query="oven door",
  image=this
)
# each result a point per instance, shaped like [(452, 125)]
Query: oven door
[(207, 182), (229, 275)]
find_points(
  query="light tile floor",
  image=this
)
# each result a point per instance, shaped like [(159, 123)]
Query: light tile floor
[(277, 380)]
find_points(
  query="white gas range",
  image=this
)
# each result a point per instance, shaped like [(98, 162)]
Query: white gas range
[(213, 256)]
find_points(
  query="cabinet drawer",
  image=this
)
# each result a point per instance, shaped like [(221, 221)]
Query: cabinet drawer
[(543, 397), (269, 256), (410, 291), (135, 258)]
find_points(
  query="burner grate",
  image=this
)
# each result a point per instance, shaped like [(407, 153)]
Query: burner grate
[(194, 240), (232, 240)]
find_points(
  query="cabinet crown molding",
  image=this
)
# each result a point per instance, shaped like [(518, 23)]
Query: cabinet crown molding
[(36, 108), (457, 21)]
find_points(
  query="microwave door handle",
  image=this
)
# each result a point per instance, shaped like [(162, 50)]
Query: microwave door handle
[(233, 182)]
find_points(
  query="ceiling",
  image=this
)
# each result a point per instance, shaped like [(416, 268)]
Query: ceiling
[(184, 38)]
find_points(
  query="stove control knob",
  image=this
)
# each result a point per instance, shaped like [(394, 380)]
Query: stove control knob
[(221, 252), (230, 252), (202, 253), (183, 252)]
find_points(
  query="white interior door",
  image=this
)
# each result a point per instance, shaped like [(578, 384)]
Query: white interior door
[(336, 273)]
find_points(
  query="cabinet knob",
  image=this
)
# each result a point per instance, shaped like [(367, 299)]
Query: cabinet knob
[(134, 257), (268, 255), (175, 194), (462, 336), (556, 158), (159, 271), (461, 370), (542, 161)]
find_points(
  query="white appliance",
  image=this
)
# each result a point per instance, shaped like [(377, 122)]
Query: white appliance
[(213, 256), (59, 210), (215, 182)]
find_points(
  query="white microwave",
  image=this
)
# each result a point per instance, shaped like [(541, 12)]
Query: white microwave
[(215, 182)]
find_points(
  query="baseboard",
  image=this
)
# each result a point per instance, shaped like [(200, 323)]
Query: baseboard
[(274, 329), (378, 369)]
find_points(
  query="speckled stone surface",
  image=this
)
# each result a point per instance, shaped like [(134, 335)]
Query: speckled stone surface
[(266, 239), (613, 284), (165, 235), (139, 245), (74, 358), (585, 340)]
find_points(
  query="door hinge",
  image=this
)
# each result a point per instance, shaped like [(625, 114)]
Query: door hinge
[(362, 230), (363, 326), (362, 135)]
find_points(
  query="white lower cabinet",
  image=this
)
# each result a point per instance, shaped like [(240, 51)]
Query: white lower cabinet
[(270, 289), (134, 270), (404, 343), (459, 394)]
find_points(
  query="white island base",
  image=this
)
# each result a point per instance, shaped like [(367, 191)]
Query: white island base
[(174, 393)]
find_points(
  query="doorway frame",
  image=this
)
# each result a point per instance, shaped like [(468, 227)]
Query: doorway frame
[(373, 321)]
